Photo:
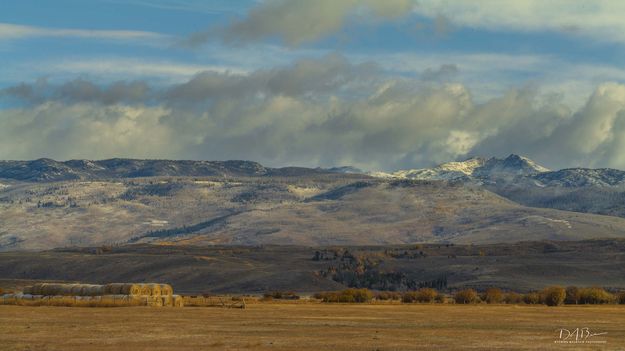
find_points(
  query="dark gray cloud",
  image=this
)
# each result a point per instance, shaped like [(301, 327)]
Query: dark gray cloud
[(307, 76), (444, 72), (315, 112), (79, 90), (297, 22)]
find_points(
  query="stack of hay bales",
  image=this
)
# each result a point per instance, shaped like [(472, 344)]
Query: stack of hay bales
[(109, 295)]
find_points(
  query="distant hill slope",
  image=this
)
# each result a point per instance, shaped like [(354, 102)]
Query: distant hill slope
[(46, 203), (318, 209), (51, 170)]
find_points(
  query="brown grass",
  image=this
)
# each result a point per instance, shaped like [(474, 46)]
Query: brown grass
[(306, 327)]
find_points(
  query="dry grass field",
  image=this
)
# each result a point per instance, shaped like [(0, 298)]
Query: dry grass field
[(302, 327)]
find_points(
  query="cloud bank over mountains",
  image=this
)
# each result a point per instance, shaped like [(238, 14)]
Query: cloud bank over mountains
[(314, 112), (380, 85)]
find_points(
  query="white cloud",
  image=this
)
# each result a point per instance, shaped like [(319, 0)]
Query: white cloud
[(120, 68), (13, 31), (599, 19), (315, 112), (54, 129)]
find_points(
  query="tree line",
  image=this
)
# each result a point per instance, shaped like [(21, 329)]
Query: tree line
[(550, 296)]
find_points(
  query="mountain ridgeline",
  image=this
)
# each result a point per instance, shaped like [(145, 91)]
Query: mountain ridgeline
[(46, 170), (513, 169)]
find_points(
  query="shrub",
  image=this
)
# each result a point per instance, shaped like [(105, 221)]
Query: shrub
[(347, 295), (621, 297), (513, 298), (282, 295), (572, 295), (440, 298), (531, 298), (595, 296), (553, 295), (493, 295), (409, 296), (270, 295), (426, 295), (387, 295), (466, 296), (360, 295)]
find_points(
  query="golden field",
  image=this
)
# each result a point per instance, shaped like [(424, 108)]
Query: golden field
[(283, 326)]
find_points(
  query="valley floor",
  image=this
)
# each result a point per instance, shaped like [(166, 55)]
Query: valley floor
[(272, 326)]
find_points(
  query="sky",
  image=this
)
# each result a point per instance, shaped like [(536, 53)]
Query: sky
[(379, 85)]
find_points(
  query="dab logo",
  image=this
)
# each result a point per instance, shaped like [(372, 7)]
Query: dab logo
[(579, 336)]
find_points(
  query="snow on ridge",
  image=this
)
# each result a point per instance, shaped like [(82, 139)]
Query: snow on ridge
[(446, 171), (456, 169), (467, 167), (536, 166)]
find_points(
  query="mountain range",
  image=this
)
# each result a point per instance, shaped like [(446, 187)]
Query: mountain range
[(479, 170), (46, 204), (45, 169)]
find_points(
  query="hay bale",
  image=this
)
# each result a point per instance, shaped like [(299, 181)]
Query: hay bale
[(135, 290), (91, 290), (166, 290), (115, 300), (134, 301), (155, 289), (36, 289), (178, 301), (107, 300), (56, 300), (65, 300), (67, 289), (123, 300), (74, 290), (168, 301), (151, 289), (145, 290), (113, 288), (156, 301), (53, 289), (122, 289)]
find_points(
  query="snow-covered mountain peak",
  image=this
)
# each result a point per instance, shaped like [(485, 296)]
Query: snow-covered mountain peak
[(467, 167), (476, 167)]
